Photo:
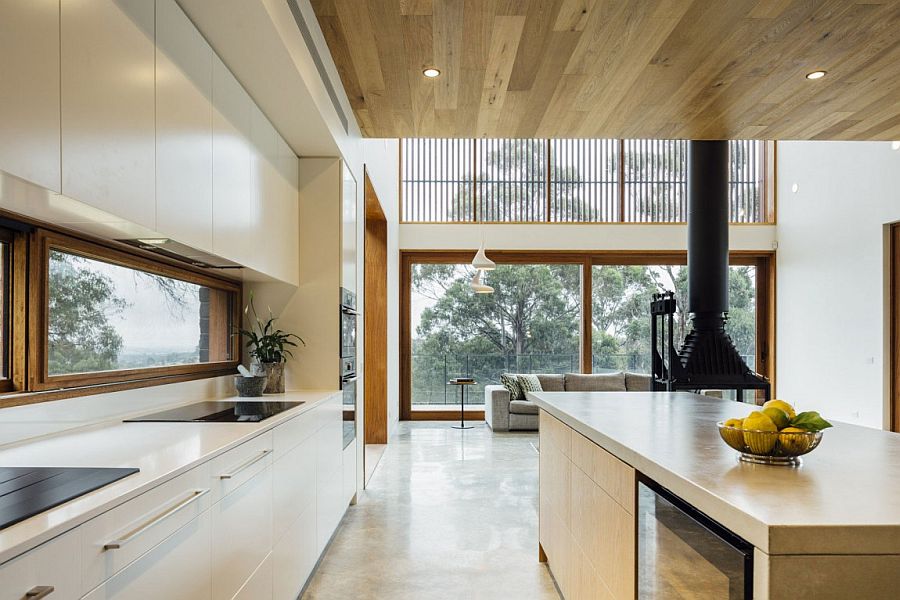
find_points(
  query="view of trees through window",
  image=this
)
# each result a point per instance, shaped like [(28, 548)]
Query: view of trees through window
[(587, 180), (104, 316), (531, 323), (620, 312)]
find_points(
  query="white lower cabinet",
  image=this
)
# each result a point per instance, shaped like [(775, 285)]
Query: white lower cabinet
[(242, 534), (295, 556), (55, 564), (249, 524), (259, 586), (176, 569)]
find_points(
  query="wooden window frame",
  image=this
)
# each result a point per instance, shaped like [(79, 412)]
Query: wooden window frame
[(39, 379), (764, 261)]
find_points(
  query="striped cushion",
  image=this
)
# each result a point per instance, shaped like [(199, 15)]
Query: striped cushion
[(511, 382)]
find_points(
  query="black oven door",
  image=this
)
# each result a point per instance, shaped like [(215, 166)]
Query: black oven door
[(680, 548)]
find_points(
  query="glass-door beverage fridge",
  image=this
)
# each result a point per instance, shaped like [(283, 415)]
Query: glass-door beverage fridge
[(682, 553)]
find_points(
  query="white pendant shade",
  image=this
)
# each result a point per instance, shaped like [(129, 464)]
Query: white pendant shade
[(482, 262), (478, 287)]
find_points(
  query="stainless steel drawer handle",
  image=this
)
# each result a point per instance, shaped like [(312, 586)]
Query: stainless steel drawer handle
[(250, 461), (38, 592), (165, 514)]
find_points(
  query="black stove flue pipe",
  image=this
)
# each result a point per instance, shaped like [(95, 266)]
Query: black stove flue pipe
[(707, 219)]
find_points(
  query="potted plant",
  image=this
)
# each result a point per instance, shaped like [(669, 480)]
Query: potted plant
[(269, 348)]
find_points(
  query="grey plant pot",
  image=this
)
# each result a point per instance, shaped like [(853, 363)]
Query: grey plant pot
[(249, 387), (274, 377)]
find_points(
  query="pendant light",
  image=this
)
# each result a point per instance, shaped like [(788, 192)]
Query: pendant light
[(481, 261), (478, 287)]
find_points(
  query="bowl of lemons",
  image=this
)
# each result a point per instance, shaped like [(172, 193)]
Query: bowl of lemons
[(775, 434)]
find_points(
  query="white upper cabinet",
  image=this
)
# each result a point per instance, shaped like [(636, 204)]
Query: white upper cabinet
[(184, 137), (108, 106), (235, 216), (29, 90)]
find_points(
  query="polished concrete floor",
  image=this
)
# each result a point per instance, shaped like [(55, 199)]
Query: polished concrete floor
[(446, 515)]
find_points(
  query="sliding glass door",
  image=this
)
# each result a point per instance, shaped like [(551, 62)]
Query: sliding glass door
[(553, 312), (530, 324)]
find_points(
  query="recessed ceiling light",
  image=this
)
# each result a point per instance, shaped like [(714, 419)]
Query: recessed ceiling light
[(795, 188), (816, 75), (431, 72), (895, 145)]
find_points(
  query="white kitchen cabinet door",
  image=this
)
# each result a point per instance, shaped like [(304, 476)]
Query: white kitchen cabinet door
[(295, 556), (109, 106), (294, 485), (263, 182), (349, 472), (259, 586), (235, 213), (282, 211), (184, 138), (330, 503), (176, 569), (29, 93), (242, 534), (55, 564)]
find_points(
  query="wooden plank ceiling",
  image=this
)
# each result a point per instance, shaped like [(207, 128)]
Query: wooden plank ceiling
[(701, 69)]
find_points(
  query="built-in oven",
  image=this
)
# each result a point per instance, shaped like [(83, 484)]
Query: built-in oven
[(348, 323), (348, 390), (348, 363), (679, 548)]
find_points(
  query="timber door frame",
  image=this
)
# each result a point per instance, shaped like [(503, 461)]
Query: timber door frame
[(375, 413)]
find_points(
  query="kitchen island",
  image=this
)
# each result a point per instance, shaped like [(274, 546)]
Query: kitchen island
[(827, 529)]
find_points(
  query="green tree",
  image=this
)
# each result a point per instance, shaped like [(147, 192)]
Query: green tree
[(81, 303)]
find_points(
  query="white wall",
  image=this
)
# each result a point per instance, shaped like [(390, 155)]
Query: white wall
[(382, 163), (832, 338)]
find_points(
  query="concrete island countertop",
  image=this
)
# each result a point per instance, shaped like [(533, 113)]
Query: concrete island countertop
[(844, 499), (161, 451)]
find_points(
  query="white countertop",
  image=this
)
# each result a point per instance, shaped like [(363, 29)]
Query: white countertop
[(160, 450), (844, 499)]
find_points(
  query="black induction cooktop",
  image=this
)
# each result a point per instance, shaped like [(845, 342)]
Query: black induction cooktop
[(219, 412), (27, 491)]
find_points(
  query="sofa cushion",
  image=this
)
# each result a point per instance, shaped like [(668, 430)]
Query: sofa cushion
[(511, 382), (637, 382), (523, 407), (530, 383), (552, 383), (606, 382)]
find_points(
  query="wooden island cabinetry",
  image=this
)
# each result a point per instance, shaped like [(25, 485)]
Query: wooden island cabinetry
[(587, 515)]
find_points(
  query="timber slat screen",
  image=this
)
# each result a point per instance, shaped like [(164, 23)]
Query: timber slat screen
[(566, 181)]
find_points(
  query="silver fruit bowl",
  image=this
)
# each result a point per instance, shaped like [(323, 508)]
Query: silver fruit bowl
[(770, 447)]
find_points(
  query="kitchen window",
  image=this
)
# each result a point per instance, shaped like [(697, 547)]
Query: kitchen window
[(111, 316)]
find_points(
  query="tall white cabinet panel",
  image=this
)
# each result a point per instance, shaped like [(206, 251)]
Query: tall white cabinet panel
[(282, 211), (330, 502), (176, 569), (266, 255), (108, 106), (29, 90), (235, 215), (184, 138)]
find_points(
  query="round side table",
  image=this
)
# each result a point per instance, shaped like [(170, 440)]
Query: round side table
[(461, 383)]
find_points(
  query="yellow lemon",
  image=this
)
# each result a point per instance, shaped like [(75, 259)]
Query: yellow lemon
[(778, 416), (794, 441), (733, 437), (757, 426), (791, 413)]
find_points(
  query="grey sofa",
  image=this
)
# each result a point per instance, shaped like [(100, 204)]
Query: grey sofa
[(504, 414)]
